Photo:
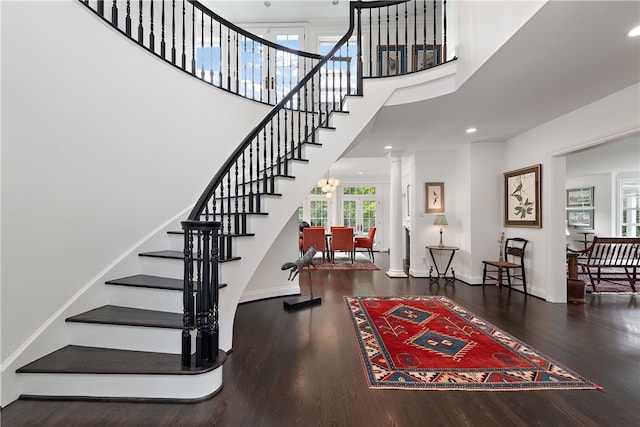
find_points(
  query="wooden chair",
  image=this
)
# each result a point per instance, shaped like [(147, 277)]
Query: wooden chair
[(314, 236), (342, 240), (512, 266), (367, 242)]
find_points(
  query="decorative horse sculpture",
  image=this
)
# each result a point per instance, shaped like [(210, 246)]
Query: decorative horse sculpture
[(300, 263)]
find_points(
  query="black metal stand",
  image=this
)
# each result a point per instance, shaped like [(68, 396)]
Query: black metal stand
[(302, 301), (447, 279)]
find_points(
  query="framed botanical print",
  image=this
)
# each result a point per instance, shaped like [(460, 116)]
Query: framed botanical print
[(522, 197), (434, 197), (392, 60), (426, 56)]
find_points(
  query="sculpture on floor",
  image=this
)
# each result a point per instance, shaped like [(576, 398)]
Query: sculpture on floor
[(305, 261), (300, 263)]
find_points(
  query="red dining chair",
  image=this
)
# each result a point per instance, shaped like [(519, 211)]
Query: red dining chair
[(342, 240), (314, 236), (367, 242)]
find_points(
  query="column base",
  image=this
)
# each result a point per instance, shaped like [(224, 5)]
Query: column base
[(396, 274)]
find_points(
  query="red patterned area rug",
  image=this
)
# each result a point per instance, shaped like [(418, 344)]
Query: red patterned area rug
[(431, 343), (361, 262)]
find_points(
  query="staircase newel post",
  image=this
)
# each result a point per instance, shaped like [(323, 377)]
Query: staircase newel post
[(215, 283), (204, 301), (187, 289)]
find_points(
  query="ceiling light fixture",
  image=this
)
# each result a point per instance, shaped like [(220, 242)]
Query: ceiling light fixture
[(267, 3), (471, 130), (335, 2), (635, 32), (388, 147)]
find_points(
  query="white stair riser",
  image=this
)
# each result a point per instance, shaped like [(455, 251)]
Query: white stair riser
[(163, 267), (146, 298), (123, 337), (123, 386)]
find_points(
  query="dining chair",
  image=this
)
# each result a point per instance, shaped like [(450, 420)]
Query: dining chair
[(314, 236), (342, 240), (367, 242)]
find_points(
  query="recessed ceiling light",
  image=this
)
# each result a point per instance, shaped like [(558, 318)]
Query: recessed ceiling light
[(360, 173), (471, 130), (335, 2), (388, 147), (635, 32), (267, 3)]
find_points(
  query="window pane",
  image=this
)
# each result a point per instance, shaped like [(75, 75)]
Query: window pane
[(349, 213)]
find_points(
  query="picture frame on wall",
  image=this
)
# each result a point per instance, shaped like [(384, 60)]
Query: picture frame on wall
[(522, 197), (580, 218), (426, 56), (580, 197), (434, 197), (392, 60)]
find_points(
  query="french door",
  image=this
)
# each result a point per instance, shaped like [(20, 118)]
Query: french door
[(361, 213), (268, 74)]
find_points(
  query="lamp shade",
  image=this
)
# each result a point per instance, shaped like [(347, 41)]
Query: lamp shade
[(440, 220)]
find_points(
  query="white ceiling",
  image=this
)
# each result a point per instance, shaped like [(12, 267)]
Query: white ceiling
[(569, 54)]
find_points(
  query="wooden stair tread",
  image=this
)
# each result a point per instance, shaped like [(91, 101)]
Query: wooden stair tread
[(153, 282), (94, 360), (115, 315), (178, 255), (146, 281)]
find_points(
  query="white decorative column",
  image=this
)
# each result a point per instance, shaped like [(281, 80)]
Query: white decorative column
[(395, 218)]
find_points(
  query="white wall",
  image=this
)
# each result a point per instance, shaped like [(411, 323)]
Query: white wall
[(97, 153)]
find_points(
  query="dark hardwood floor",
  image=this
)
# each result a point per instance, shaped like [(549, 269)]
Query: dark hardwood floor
[(302, 368)]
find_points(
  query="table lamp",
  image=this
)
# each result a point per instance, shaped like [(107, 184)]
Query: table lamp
[(440, 220)]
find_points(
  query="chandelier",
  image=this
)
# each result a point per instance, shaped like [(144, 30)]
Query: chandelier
[(328, 186)]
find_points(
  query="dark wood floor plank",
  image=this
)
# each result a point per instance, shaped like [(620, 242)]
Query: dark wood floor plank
[(302, 368)]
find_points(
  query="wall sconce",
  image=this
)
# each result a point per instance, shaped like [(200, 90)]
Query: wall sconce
[(440, 220)]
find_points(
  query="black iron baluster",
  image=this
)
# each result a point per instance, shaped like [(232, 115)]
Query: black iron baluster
[(306, 119), (279, 147), (228, 58), (244, 64), (251, 206), (237, 67), (261, 56), (127, 19), (140, 29), (333, 85), (292, 136), (313, 108), (414, 52), (210, 50), (272, 179), (244, 195), (264, 166), (435, 59), (152, 38), (114, 14), (229, 216), (236, 214), (202, 49), (257, 206), (220, 54), (193, 40), (406, 38), (388, 41), (162, 42), (398, 59), (184, 36), (101, 7), (285, 140), (173, 32), (444, 32), (424, 36)]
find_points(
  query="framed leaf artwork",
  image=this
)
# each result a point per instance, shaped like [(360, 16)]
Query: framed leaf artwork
[(522, 198)]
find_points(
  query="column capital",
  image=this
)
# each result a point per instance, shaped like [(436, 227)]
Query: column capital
[(395, 156)]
